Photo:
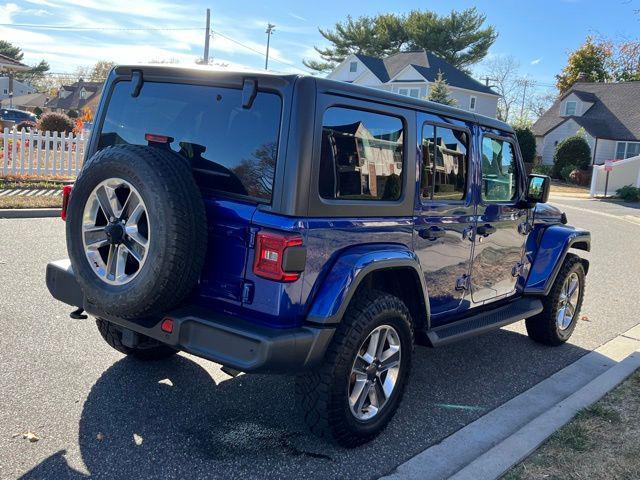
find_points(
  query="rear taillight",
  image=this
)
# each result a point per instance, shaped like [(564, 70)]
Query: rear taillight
[(270, 261), (66, 193)]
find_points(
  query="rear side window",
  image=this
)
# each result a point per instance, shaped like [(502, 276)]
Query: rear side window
[(499, 170), (445, 163), (362, 155), (232, 149)]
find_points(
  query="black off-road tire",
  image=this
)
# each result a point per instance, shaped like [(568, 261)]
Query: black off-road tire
[(148, 348), (322, 393), (543, 327), (177, 220)]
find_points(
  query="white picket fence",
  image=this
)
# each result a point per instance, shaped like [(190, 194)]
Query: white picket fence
[(41, 153)]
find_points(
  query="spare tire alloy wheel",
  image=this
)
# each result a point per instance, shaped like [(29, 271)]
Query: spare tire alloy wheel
[(374, 373), (116, 231)]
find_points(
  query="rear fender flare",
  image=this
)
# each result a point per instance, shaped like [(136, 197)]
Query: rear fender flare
[(551, 251), (347, 273)]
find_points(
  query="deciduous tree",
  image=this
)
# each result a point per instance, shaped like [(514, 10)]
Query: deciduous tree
[(590, 60)]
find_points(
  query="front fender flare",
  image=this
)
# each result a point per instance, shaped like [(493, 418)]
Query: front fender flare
[(552, 249), (341, 282)]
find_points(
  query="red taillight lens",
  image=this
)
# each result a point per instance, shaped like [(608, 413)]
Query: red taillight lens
[(66, 192), (270, 249), (167, 325), (152, 137)]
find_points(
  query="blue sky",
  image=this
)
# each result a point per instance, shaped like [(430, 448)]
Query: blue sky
[(538, 33)]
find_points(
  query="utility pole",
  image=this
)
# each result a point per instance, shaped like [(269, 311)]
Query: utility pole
[(270, 28), (525, 83), (207, 35)]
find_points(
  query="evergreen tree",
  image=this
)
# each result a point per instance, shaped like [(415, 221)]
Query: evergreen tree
[(439, 92), (460, 37)]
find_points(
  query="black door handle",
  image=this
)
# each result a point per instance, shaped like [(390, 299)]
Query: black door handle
[(485, 230), (432, 233)]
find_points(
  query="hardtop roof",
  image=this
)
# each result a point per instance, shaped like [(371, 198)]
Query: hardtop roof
[(325, 85)]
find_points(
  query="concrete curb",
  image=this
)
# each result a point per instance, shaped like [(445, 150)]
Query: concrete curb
[(29, 212), (483, 438), (524, 442)]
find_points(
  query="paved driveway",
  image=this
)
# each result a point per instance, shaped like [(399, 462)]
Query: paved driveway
[(184, 418)]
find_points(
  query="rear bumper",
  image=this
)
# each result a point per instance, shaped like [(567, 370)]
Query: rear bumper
[(221, 338)]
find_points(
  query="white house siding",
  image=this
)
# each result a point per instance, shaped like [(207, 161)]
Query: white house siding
[(486, 105), (342, 72), (581, 107), (606, 151), (19, 88)]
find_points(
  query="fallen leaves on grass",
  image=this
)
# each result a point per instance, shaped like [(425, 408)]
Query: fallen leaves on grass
[(32, 437)]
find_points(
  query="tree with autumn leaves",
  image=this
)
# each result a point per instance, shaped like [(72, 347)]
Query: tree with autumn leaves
[(601, 60)]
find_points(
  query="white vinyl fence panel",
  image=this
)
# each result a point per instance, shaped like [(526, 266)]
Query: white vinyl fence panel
[(623, 172), (41, 153)]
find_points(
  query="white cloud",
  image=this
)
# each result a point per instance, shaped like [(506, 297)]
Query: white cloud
[(536, 61)]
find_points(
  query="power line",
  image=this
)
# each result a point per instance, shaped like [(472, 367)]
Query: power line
[(71, 27)]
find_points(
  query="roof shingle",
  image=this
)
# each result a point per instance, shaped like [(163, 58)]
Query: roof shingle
[(615, 113)]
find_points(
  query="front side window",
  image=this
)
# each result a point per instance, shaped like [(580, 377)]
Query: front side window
[(444, 163), (231, 149), (570, 108), (353, 67), (499, 170), (361, 155)]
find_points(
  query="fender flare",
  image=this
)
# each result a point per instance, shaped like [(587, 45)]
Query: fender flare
[(551, 251), (337, 287)]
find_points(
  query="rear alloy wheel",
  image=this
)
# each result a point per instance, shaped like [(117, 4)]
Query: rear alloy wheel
[(374, 374), (351, 397)]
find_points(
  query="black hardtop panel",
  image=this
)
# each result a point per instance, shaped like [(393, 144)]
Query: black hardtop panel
[(382, 96)]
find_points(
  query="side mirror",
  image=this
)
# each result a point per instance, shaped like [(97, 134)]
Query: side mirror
[(538, 189)]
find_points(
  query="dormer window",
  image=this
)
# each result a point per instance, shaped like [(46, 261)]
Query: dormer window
[(84, 94), (570, 108), (353, 67)]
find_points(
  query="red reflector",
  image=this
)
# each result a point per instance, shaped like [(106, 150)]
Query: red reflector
[(66, 192), (167, 325), (270, 249), (152, 137)]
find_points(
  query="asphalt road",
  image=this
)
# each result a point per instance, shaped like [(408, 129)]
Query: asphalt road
[(184, 418)]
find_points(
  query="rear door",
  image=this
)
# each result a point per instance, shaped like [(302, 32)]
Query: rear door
[(500, 229), (232, 151), (445, 215)]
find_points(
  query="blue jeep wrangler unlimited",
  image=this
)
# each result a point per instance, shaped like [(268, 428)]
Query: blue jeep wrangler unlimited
[(287, 224)]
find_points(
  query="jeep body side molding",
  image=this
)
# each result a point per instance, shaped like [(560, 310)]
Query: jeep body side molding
[(553, 248), (350, 269)]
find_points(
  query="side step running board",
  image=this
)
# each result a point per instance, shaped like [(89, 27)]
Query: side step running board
[(485, 321)]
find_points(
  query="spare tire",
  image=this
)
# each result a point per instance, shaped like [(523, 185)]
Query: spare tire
[(136, 230)]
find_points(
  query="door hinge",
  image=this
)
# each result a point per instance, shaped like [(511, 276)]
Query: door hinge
[(463, 282)]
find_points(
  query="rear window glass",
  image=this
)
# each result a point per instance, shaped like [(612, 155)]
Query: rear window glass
[(231, 149)]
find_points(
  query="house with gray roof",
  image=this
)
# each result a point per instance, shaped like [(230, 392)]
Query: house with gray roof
[(607, 113), (412, 73), (75, 96)]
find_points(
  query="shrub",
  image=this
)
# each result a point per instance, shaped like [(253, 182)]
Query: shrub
[(629, 193), (580, 177), (26, 125), (572, 151), (527, 142), (392, 188), (55, 122), (565, 173), (543, 169), (72, 114)]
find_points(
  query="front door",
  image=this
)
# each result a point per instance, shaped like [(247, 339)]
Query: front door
[(444, 216), (501, 225)]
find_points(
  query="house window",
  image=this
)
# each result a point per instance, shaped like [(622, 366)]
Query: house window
[(570, 108), (353, 67), (403, 91), (84, 94), (5, 91), (409, 92), (472, 103), (361, 156), (627, 150)]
